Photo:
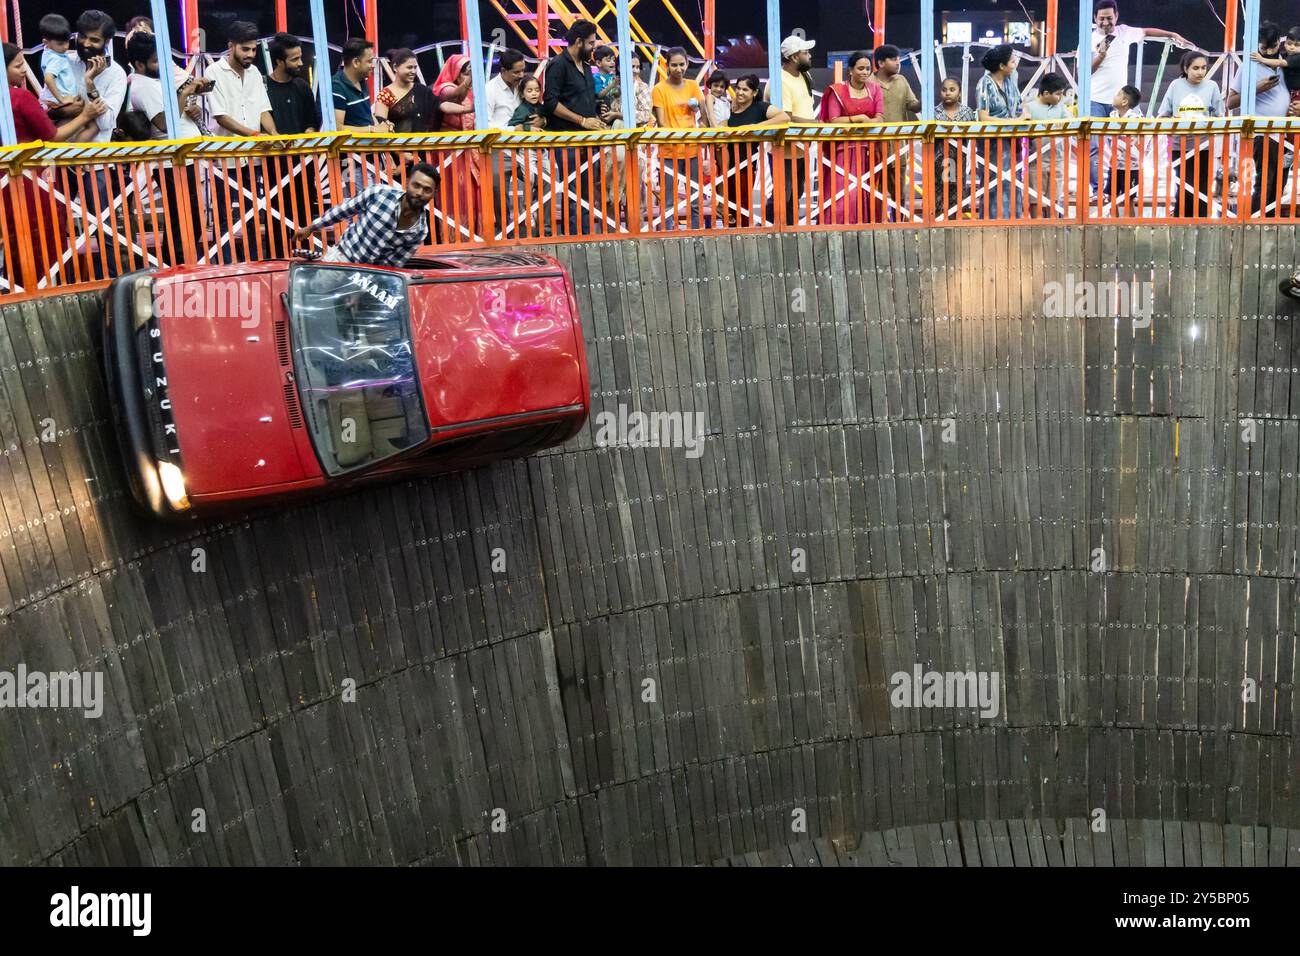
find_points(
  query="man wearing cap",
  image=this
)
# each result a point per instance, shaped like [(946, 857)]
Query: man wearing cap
[(797, 100)]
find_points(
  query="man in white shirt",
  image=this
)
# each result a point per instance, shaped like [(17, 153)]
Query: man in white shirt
[(239, 102), (1111, 42), (175, 184), (503, 99), (96, 76), (503, 89)]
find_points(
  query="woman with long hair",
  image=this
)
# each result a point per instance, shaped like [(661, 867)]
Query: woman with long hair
[(848, 196), (460, 190), (1192, 96), (22, 199), (406, 102)]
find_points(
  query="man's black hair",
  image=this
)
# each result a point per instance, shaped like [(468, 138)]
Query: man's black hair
[(579, 32), (355, 48), (1106, 5), (507, 58), (55, 27), (426, 168), (886, 51), (96, 21), (241, 31), (280, 46), (140, 48), (1270, 34)]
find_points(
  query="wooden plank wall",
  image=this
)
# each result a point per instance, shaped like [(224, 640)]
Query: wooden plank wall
[(826, 369)]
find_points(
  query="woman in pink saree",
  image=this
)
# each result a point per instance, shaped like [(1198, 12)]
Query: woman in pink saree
[(459, 194), (846, 195)]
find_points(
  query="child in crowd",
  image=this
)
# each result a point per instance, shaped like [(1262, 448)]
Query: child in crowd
[(954, 159), (951, 108), (56, 68), (1123, 155), (1192, 96), (606, 64), (1047, 153), (718, 97), (528, 115)]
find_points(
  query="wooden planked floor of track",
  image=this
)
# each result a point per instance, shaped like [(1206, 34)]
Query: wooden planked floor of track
[(826, 537)]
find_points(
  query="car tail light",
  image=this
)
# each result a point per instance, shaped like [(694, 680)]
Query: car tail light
[(291, 401)]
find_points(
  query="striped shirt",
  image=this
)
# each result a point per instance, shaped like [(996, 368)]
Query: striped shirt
[(374, 238)]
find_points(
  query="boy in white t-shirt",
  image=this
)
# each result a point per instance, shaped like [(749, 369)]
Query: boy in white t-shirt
[(1124, 154)]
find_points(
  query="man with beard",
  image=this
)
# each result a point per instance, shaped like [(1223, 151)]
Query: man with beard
[(295, 111), (392, 223), (96, 77), (176, 184), (797, 100), (569, 102), (239, 107)]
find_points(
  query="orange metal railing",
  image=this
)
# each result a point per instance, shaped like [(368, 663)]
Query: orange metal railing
[(73, 216)]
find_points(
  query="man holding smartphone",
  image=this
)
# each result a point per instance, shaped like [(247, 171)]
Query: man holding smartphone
[(1111, 42)]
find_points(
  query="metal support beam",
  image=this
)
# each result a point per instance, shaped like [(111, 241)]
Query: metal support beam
[(190, 28), (927, 60), (371, 10), (710, 33), (878, 24), (474, 37), (4, 21), (281, 16), (163, 36), (1084, 66), (1049, 27), (543, 29), (626, 82), (1249, 68), (323, 76), (774, 52)]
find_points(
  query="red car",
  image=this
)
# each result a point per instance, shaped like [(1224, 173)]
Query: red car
[(235, 383)]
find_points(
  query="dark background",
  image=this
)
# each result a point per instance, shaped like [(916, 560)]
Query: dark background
[(835, 24)]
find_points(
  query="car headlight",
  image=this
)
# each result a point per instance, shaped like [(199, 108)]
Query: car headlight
[(143, 301), (173, 485)]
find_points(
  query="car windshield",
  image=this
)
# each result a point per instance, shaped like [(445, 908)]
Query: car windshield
[(352, 356)]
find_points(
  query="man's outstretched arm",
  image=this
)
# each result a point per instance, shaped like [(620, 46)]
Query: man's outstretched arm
[(344, 210)]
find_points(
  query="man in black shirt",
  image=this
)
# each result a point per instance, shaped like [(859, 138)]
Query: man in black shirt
[(292, 104), (569, 102), (295, 111)]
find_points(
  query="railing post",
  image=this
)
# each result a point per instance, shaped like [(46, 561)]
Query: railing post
[(487, 193), (181, 188), (632, 185), (1246, 146), (779, 213), (1082, 175)]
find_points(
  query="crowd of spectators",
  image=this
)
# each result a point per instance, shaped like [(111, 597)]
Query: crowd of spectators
[(75, 91)]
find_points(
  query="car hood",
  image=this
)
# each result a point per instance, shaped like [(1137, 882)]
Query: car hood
[(493, 347), (226, 383)]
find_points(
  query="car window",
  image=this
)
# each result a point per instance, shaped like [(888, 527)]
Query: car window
[(354, 366)]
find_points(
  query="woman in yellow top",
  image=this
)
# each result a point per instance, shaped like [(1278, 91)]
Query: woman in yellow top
[(679, 104)]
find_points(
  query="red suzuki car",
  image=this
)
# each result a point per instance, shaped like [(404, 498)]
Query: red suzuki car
[(235, 383)]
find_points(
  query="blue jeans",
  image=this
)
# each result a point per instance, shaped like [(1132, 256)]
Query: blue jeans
[(1095, 109)]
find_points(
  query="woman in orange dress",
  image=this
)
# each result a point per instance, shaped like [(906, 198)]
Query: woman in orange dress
[(454, 94), (846, 165)]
